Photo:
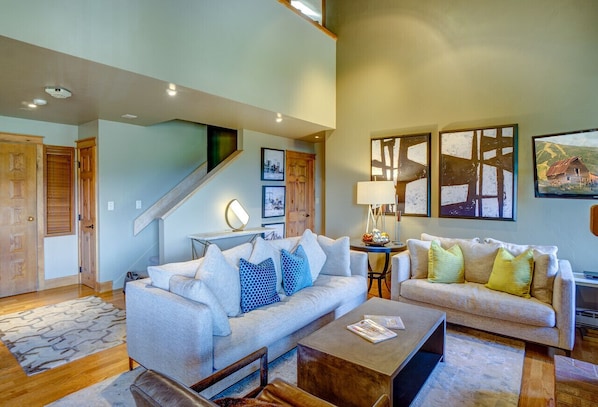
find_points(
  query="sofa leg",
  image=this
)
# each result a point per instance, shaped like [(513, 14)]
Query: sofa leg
[(130, 364)]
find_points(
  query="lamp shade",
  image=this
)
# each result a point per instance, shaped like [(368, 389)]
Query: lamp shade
[(375, 192)]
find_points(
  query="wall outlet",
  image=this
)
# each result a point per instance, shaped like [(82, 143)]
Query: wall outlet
[(110, 205), (137, 204)]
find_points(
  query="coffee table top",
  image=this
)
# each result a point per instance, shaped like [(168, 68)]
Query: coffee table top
[(386, 357)]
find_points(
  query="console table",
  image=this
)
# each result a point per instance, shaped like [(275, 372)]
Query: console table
[(205, 239)]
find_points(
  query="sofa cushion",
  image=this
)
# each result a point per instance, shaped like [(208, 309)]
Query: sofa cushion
[(263, 250), (476, 299), (545, 266), (512, 274), (258, 284), (266, 325), (447, 242), (198, 291), (222, 278), (160, 275), (338, 259), (445, 265), (479, 260), (315, 255), (295, 270), (418, 255)]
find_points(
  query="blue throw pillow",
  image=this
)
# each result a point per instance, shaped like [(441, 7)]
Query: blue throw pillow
[(295, 270), (258, 284)]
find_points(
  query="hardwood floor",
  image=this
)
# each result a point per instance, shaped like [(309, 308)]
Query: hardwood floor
[(17, 389)]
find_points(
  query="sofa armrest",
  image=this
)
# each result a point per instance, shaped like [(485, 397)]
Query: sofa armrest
[(400, 271), (563, 302), (168, 333), (359, 263)]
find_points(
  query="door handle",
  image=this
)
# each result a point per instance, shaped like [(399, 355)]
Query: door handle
[(307, 215), (89, 227), (31, 219)]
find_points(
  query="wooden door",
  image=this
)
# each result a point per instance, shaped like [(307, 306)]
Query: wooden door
[(300, 192), (18, 223), (87, 212)]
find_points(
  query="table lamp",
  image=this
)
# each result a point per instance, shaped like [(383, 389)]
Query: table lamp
[(375, 194)]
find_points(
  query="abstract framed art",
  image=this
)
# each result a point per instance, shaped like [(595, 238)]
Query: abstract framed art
[(566, 165), (478, 173), (406, 161), (272, 165), (273, 201)]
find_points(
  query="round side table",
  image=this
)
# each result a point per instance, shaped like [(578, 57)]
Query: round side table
[(387, 249)]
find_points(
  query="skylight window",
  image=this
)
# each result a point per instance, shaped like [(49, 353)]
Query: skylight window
[(311, 8)]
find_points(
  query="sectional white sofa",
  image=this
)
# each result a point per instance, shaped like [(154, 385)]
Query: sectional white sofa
[(546, 317), (187, 321)]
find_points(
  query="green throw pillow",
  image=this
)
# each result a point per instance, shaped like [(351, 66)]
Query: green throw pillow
[(512, 274), (445, 265)]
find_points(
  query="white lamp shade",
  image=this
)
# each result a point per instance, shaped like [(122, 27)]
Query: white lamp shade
[(375, 192)]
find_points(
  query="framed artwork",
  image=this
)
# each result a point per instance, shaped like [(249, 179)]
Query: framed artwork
[(276, 233), (273, 200), (272, 165), (406, 161), (566, 165), (478, 173)]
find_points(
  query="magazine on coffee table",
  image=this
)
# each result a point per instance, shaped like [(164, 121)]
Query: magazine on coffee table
[(372, 331), (387, 321)]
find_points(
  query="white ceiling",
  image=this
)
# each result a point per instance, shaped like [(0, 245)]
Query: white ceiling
[(104, 92)]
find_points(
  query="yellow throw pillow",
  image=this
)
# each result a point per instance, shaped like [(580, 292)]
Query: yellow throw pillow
[(512, 274), (445, 266)]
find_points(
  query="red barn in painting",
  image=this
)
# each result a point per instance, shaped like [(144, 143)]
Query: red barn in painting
[(569, 171)]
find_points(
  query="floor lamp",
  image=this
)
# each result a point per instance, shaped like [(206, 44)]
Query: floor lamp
[(375, 194)]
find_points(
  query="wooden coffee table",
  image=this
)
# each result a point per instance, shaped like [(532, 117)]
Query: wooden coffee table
[(341, 367)]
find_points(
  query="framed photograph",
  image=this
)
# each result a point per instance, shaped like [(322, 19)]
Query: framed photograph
[(272, 165), (276, 233), (478, 173), (406, 161), (566, 165), (273, 200)]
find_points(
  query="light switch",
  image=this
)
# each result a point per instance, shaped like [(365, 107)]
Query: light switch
[(110, 205), (137, 204)]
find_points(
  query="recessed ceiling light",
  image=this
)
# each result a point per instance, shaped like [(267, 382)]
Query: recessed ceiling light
[(32, 105), (171, 90), (129, 116), (40, 102), (278, 117)]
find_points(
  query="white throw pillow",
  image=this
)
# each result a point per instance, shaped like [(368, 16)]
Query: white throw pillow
[(448, 242), (223, 280), (338, 256), (234, 254), (197, 290), (160, 275), (479, 260), (315, 255), (418, 254), (263, 250)]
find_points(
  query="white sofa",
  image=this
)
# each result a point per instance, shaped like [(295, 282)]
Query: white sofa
[(185, 320), (547, 317)]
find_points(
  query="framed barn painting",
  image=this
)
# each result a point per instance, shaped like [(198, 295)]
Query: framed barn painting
[(478, 173), (406, 161), (566, 165)]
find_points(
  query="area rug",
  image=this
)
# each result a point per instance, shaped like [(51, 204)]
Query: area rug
[(480, 369), (43, 338)]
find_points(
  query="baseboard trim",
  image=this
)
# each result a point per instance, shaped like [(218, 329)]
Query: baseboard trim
[(61, 282)]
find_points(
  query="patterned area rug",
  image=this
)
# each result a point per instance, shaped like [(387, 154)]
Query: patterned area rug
[(43, 338), (481, 369)]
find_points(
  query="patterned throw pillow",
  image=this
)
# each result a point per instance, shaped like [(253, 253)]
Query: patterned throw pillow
[(295, 270), (258, 284)]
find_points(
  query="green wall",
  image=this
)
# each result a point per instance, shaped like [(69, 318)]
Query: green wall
[(409, 66)]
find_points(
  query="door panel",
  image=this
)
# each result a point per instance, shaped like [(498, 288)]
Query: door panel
[(18, 224), (87, 213), (300, 192)]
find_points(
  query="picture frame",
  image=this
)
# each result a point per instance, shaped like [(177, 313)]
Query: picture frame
[(566, 165), (478, 173), (276, 233), (273, 164), (273, 201), (404, 159)]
